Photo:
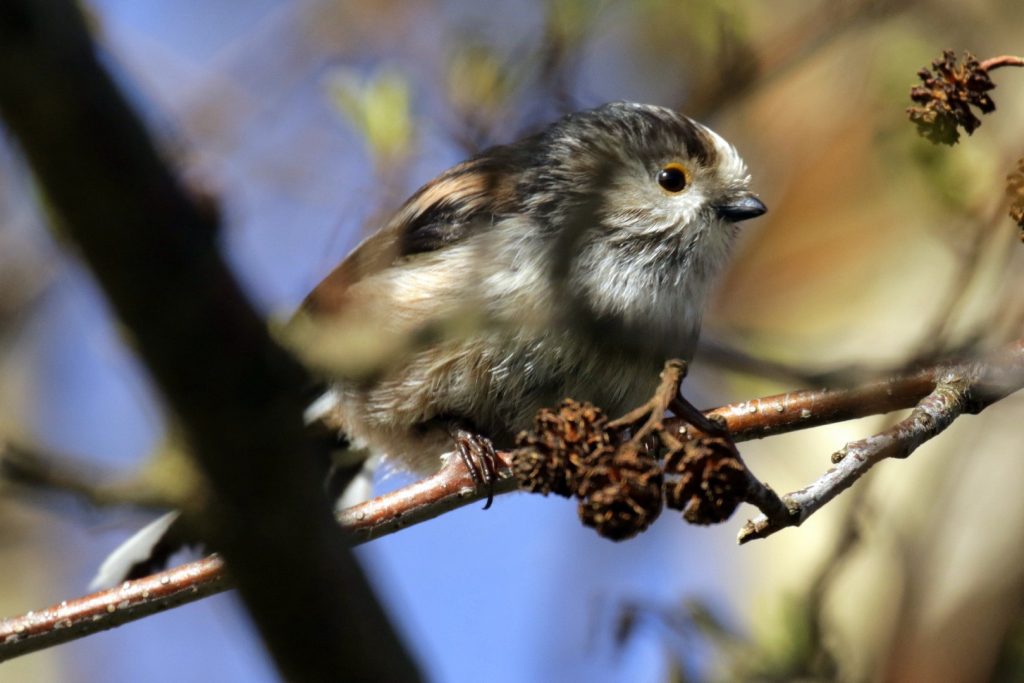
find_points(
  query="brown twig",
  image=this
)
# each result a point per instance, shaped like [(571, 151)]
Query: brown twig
[(796, 410), (73, 619), (1001, 61), (962, 387), (451, 488)]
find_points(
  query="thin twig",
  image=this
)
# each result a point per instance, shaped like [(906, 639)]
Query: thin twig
[(761, 496), (162, 485), (1002, 60)]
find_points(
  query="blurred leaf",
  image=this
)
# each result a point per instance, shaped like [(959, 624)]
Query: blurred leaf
[(478, 80), (781, 648), (702, 25), (569, 21), (377, 107)]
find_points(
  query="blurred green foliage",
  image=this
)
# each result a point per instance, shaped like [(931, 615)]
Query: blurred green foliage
[(377, 106)]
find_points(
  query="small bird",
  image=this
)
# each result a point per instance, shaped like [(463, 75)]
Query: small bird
[(587, 250), (571, 263)]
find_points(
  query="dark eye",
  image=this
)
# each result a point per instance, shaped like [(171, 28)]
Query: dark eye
[(673, 178)]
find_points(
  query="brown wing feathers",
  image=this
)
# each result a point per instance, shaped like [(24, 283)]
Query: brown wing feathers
[(456, 204)]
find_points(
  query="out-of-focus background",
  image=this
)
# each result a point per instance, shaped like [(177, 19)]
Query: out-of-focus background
[(311, 120)]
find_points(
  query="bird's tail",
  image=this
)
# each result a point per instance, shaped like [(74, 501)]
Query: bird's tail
[(146, 552)]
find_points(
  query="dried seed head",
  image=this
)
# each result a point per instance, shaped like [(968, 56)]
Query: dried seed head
[(949, 89), (1015, 191), (563, 441), (712, 480), (621, 495)]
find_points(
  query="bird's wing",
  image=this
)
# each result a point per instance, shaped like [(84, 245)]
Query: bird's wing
[(460, 202)]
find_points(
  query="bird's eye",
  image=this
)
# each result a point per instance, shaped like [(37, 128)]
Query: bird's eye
[(673, 178)]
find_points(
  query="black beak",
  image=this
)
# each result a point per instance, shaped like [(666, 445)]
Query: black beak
[(741, 208)]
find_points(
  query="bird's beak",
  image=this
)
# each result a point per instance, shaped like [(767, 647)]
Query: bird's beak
[(741, 207)]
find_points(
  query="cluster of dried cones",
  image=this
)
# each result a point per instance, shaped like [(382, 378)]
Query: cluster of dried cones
[(949, 90), (622, 482)]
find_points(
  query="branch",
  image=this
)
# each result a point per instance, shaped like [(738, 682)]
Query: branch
[(1003, 60), (451, 488), (236, 395), (166, 482), (73, 619), (979, 384), (959, 389)]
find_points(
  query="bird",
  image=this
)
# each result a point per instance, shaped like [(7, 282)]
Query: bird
[(619, 217), (570, 263)]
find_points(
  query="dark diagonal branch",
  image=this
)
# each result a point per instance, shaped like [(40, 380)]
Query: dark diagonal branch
[(237, 395), (937, 394)]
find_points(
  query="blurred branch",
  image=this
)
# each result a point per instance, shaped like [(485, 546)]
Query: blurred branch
[(237, 395), (845, 375), (736, 359), (770, 60), (35, 470), (938, 394), (936, 336)]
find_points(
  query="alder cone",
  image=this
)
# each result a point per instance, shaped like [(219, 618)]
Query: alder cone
[(621, 497), (563, 443), (947, 92), (712, 480)]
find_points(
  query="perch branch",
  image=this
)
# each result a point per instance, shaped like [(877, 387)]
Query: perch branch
[(965, 387), (451, 488)]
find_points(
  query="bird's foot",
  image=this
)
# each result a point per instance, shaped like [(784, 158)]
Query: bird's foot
[(479, 457), (649, 418)]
